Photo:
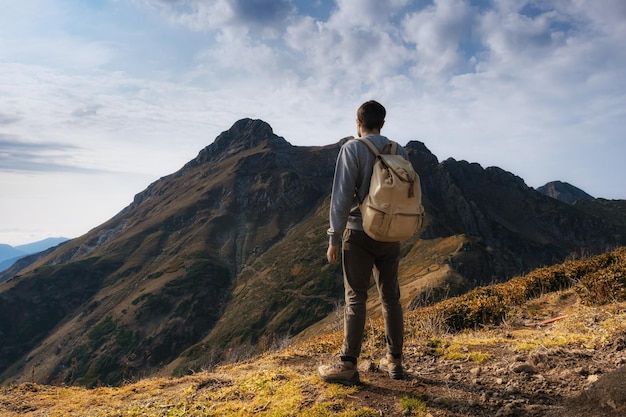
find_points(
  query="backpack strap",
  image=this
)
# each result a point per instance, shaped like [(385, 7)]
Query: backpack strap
[(390, 148), (370, 145)]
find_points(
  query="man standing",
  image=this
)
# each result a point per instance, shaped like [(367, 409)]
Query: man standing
[(363, 256)]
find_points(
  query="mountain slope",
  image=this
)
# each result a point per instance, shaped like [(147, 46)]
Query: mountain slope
[(225, 258), (559, 353), (166, 263)]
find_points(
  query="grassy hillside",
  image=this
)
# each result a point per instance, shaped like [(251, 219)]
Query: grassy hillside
[(530, 346)]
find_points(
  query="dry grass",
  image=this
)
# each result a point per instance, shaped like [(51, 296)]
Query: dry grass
[(587, 295)]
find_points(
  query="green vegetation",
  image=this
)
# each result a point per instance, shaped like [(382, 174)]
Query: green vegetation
[(413, 406), (99, 334), (37, 303)]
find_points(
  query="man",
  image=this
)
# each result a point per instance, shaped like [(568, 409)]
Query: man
[(363, 256)]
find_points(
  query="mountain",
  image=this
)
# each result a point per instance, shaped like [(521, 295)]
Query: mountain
[(564, 192), (613, 211), (9, 254), (41, 245), (226, 258)]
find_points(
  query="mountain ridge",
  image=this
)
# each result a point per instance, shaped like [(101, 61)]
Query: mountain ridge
[(225, 257), (9, 255)]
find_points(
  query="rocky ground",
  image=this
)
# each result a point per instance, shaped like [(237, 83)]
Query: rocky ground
[(556, 382), (551, 382)]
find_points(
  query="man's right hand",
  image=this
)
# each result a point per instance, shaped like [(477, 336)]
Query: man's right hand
[(332, 254)]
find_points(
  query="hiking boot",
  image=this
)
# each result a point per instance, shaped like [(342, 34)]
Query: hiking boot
[(342, 372), (392, 366)]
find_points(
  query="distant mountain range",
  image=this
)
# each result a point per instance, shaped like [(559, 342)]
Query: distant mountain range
[(226, 257), (10, 254)]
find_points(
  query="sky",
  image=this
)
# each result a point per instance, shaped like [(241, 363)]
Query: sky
[(100, 98)]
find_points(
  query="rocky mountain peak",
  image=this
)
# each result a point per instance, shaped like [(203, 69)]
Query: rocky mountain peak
[(244, 134), (564, 192), (422, 158)]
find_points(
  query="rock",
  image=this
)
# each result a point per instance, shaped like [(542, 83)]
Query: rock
[(525, 368), (367, 365), (476, 371), (506, 410), (593, 378)]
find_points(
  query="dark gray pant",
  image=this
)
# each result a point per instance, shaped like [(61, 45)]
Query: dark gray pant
[(362, 256)]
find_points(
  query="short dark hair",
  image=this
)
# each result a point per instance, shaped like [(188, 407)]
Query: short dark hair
[(371, 114)]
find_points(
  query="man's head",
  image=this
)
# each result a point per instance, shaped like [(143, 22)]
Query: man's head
[(370, 117)]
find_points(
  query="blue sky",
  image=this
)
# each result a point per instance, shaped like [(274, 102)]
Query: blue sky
[(101, 98)]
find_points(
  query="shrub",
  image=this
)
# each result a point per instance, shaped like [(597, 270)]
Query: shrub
[(607, 283), (597, 280)]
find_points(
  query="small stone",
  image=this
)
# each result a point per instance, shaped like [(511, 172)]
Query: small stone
[(367, 365), (512, 387), (476, 371), (507, 410), (611, 404), (593, 378), (525, 368)]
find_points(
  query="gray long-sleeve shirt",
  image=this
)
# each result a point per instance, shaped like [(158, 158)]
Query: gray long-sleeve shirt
[(353, 172)]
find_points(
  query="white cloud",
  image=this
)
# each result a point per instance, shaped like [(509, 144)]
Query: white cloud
[(437, 33)]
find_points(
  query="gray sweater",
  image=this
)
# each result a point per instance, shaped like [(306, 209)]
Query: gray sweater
[(353, 172)]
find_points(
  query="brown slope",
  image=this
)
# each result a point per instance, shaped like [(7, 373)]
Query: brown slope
[(176, 252)]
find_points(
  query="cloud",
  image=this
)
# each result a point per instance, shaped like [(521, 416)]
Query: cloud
[(438, 33), (473, 80), (265, 17), (7, 119), (86, 111), (261, 13), (37, 157)]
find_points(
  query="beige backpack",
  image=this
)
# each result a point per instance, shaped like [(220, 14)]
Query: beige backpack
[(392, 210)]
